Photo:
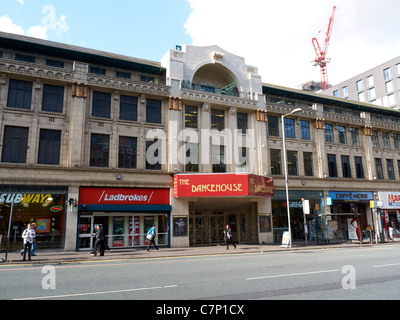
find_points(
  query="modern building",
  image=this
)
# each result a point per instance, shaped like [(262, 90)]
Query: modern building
[(190, 144), (379, 86)]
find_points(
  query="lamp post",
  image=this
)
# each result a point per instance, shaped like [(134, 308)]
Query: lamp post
[(286, 173)]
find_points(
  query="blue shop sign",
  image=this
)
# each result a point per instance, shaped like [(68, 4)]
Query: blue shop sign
[(350, 195)]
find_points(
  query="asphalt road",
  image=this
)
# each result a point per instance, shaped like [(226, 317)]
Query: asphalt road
[(345, 274)]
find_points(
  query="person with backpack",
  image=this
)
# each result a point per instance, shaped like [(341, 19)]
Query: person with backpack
[(151, 236)]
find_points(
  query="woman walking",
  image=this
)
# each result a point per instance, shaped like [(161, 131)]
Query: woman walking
[(228, 234)]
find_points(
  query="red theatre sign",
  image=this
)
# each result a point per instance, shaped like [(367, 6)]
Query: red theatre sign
[(223, 185), (125, 196)]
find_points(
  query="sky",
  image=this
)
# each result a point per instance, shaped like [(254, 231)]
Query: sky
[(274, 36)]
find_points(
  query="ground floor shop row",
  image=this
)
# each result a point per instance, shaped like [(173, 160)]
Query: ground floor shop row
[(66, 221)]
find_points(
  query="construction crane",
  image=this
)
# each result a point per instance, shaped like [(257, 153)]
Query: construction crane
[(321, 59)]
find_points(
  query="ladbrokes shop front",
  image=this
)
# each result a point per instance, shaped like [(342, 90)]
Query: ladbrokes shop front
[(202, 204)]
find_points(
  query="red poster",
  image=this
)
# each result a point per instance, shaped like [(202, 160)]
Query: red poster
[(123, 196)]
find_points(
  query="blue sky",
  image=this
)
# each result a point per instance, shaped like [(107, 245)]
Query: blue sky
[(274, 36)]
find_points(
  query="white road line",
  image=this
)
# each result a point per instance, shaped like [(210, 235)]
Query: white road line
[(96, 293), (387, 265), (292, 274)]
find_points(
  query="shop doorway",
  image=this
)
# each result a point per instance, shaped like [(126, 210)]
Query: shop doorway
[(85, 241)]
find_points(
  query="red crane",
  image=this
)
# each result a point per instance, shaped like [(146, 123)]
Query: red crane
[(321, 59)]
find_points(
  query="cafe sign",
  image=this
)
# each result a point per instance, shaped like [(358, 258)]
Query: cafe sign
[(222, 185)]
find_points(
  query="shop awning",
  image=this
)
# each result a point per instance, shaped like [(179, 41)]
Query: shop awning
[(223, 185)]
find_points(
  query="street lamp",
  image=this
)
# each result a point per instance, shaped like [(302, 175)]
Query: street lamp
[(286, 174)]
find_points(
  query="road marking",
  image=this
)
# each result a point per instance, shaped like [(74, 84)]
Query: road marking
[(292, 274), (97, 293), (387, 265)]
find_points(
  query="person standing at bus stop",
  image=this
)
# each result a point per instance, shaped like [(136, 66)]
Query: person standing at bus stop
[(28, 235)]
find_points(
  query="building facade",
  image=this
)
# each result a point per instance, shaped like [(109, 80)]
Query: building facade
[(379, 86), (190, 144)]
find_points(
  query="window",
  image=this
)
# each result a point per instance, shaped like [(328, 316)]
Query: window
[(273, 126), (97, 70), (375, 139), (398, 165), (386, 140), (328, 133), (127, 153), (242, 122), (305, 130), (192, 157), (15, 144), (275, 156), (371, 94), (360, 85), (342, 134), (308, 164), (244, 159), (99, 150), (191, 117), (336, 93), (355, 136), (391, 99), (19, 94), (101, 104), (289, 128), (361, 96), (387, 74), (389, 86), (370, 81), (396, 138), (153, 154), (218, 158), (53, 98), (379, 169), (55, 63), (390, 169), (49, 147), (332, 166), (345, 91), (292, 163), (24, 58), (346, 167), (217, 119), (359, 167), (124, 75), (153, 111), (128, 108)]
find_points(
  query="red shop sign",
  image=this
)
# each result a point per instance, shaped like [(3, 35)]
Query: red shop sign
[(124, 196), (222, 185)]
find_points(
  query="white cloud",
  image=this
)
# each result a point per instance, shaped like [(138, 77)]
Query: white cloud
[(21, 2), (6, 25), (275, 36), (37, 32)]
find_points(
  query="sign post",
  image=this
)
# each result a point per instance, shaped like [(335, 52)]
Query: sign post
[(306, 210), (9, 227)]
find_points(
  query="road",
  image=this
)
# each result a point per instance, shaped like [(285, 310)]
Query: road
[(345, 274)]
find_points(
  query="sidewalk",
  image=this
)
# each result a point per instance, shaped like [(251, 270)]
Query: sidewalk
[(61, 256)]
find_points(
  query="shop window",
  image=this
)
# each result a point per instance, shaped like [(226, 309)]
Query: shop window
[(273, 126), (328, 132), (359, 167), (15, 144), (19, 94), (53, 98), (49, 147), (128, 108), (390, 169), (242, 122), (308, 164), (127, 153), (99, 150), (191, 117), (289, 128), (275, 156), (332, 167), (153, 111), (217, 119), (346, 169), (101, 106), (379, 169)]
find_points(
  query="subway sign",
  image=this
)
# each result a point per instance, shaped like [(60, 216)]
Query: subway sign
[(24, 197)]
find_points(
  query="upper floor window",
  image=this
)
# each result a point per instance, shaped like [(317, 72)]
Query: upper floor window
[(273, 126), (15, 144), (390, 169), (355, 136), (55, 63), (128, 108), (346, 170), (359, 167), (386, 140), (332, 167), (289, 128), (328, 132), (99, 150), (345, 91), (242, 122), (191, 117), (342, 134), (101, 104), (292, 163), (19, 94), (218, 158), (127, 152), (396, 139), (217, 119), (370, 81), (97, 70), (379, 169), (275, 156), (375, 139), (387, 74), (308, 164), (360, 85), (24, 58), (305, 130), (53, 98), (153, 111), (49, 147)]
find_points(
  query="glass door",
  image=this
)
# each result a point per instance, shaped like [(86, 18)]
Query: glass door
[(85, 233)]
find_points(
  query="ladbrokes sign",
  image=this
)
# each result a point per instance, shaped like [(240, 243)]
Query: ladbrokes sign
[(222, 185)]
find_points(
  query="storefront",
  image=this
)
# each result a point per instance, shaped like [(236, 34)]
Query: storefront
[(125, 214), (348, 217), (280, 217), (390, 212), (205, 203), (44, 206)]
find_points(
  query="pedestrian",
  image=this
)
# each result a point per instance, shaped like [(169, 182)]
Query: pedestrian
[(151, 236), (34, 240), (228, 234), (98, 245), (28, 235)]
